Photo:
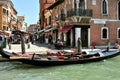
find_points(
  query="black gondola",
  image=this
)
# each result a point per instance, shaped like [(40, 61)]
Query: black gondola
[(58, 59), (52, 60)]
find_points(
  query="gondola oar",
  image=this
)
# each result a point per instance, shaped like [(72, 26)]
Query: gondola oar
[(17, 57)]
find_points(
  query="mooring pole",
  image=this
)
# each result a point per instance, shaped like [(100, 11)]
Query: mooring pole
[(22, 41), (79, 45)]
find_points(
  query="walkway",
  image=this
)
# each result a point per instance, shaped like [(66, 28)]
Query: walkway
[(38, 48), (34, 48)]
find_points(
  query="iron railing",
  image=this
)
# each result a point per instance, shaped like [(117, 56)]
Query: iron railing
[(79, 12)]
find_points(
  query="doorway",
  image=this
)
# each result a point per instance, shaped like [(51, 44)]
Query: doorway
[(84, 36), (68, 38)]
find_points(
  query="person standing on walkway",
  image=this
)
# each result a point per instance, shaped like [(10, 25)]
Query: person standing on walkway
[(49, 40), (1, 41), (27, 41), (9, 40), (46, 39), (31, 39), (116, 45)]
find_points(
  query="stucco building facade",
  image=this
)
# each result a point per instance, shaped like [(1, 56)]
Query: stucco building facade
[(8, 15)]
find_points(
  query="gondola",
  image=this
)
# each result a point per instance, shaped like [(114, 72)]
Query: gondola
[(63, 59), (59, 58)]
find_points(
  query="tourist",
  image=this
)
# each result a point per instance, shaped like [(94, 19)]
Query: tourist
[(46, 40), (56, 44), (9, 39), (59, 44), (1, 41), (117, 45)]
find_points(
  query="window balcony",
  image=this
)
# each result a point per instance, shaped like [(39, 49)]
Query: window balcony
[(79, 16), (80, 12)]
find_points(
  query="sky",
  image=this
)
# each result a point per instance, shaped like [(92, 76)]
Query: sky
[(29, 9)]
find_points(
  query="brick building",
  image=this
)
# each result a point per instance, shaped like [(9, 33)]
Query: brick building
[(43, 10), (94, 21), (45, 17), (33, 28)]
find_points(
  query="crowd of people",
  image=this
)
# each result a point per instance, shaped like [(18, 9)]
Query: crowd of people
[(49, 40), (15, 39)]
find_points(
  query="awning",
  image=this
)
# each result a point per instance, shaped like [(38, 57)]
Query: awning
[(51, 29), (65, 29), (8, 32)]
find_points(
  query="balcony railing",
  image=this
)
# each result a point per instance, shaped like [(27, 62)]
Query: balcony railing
[(79, 12)]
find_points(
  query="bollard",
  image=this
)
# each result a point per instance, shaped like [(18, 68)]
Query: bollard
[(9, 45)]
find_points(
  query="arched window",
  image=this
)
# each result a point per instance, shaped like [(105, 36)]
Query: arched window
[(62, 17), (104, 7), (104, 33), (119, 10), (118, 33)]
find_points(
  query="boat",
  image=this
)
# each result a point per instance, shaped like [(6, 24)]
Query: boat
[(60, 59)]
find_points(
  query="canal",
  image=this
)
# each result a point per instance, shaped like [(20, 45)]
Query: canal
[(104, 70)]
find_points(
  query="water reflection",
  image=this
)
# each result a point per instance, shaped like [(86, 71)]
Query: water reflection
[(103, 70)]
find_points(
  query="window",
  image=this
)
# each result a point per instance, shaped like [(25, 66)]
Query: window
[(4, 11), (81, 4), (62, 16), (71, 2), (118, 33), (4, 28), (46, 21), (119, 10), (49, 20), (104, 32), (75, 4), (104, 7), (93, 2)]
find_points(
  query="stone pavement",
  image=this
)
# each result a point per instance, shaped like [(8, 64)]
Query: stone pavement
[(38, 48), (34, 48)]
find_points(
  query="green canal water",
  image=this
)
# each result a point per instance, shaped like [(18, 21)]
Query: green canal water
[(104, 70)]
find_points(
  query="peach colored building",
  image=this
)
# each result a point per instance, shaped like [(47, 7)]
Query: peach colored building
[(8, 16)]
